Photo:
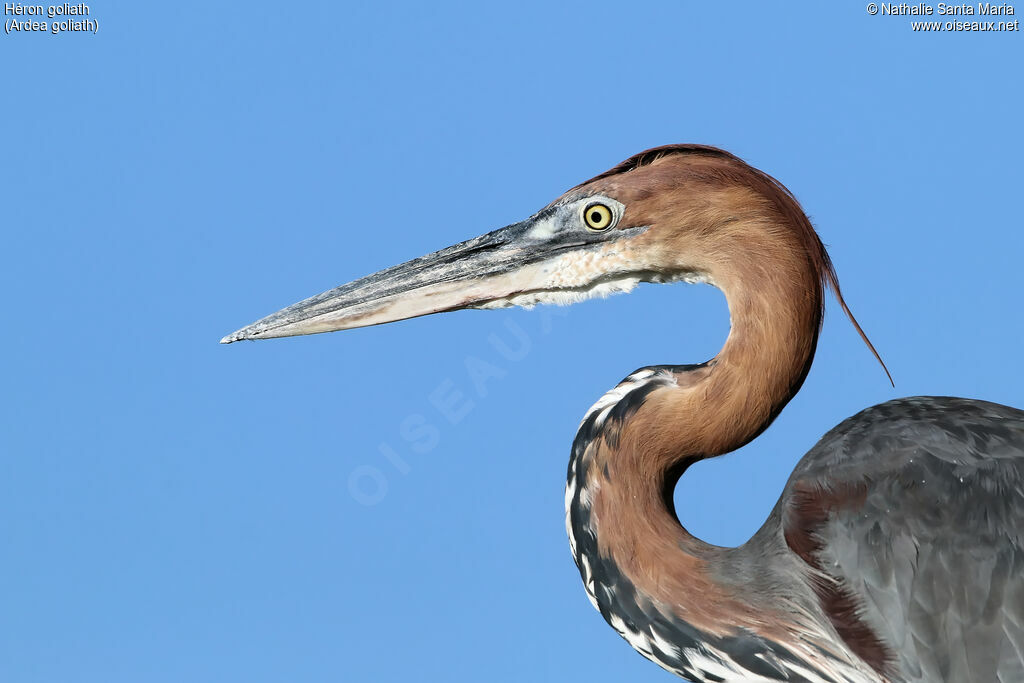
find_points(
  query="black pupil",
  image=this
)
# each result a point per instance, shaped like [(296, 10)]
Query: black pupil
[(595, 217)]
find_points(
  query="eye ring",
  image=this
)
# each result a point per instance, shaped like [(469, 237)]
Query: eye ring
[(597, 216)]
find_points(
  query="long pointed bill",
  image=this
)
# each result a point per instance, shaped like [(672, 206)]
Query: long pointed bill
[(517, 264)]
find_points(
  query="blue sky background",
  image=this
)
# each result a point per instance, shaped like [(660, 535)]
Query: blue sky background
[(176, 510)]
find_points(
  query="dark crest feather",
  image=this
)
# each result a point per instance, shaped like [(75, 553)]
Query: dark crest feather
[(784, 199)]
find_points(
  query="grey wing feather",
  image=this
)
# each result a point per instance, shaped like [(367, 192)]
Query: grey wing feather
[(933, 552)]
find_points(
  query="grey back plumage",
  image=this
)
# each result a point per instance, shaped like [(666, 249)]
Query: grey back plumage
[(912, 513)]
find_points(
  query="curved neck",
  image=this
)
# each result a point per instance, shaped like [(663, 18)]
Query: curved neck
[(637, 561)]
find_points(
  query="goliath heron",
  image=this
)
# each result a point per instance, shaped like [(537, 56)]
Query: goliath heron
[(896, 551)]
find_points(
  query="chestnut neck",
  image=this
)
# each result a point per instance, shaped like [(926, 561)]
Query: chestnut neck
[(623, 471)]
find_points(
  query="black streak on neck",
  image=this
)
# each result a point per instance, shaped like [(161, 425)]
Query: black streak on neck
[(628, 610)]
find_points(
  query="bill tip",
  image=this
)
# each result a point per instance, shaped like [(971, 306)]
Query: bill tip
[(234, 336)]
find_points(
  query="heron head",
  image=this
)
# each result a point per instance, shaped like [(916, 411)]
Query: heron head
[(660, 216)]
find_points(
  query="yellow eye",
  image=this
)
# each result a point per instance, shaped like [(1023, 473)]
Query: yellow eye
[(597, 216)]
